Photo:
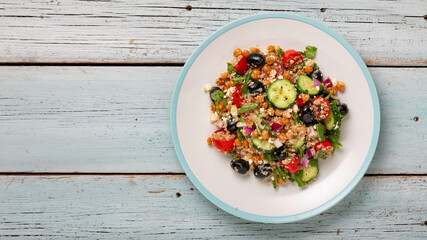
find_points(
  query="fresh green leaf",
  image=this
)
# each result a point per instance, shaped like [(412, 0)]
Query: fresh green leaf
[(296, 118), (336, 113), (230, 68), (240, 135), (320, 132), (217, 97), (298, 178), (265, 123), (333, 137), (310, 52), (238, 80), (280, 52), (281, 173), (247, 108), (244, 89), (268, 157)]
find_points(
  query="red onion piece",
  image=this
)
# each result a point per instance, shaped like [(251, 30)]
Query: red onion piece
[(304, 162), (276, 127), (277, 143), (316, 82), (248, 130), (268, 120), (327, 82), (310, 153)]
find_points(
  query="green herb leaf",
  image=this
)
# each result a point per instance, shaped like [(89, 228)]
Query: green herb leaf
[(268, 157), (310, 52), (238, 80), (265, 123), (240, 135), (280, 52), (333, 137), (336, 113), (320, 132), (230, 68), (298, 178), (296, 118), (244, 89), (247, 108)]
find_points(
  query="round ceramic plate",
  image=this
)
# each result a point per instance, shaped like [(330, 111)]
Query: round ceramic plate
[(247, 197)]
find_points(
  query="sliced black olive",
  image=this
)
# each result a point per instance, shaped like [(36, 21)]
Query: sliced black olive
[(316, 73), (239, 165), (306, 114), (231, 125), (256, 59), (279, 153), (255, 87), (263, 170), (343, 109), (212, 91)]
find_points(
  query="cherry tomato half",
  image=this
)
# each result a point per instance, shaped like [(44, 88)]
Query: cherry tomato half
[(242, 66), (293, 166), (300, 102), (321, 108), (221, 143), (323, 145), (291, 58), (237, 97)]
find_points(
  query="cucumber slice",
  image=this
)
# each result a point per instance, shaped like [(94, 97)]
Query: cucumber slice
[(281, 93), (299, 142), (262, 145), (330, 122), (310, 173), (305, 85)]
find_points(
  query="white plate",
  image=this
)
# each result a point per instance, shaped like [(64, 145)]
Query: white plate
[(248, 197)]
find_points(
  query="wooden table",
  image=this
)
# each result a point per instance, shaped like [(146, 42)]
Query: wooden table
[(85, 146)]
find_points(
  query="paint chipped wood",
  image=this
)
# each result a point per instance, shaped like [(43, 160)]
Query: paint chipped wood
[(113, 207), (384, 33), (116, 119)]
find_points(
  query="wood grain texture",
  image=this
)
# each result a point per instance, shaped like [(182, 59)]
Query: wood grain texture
[(51, 31), (166, 207), (116, 119)]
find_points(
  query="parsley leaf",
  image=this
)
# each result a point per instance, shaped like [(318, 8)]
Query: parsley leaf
[(336, 113), (230, 68), (244, 89), (310, 52), (280, 52), (320, 132)]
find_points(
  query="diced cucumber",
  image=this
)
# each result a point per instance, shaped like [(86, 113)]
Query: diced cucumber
[(305, 85), (262, 145), (281, 93), (330, 122), (299, 142), (310, 173)]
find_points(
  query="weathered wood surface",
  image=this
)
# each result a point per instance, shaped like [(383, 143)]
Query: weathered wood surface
[(116, 119), (52, 31), (167, 207)]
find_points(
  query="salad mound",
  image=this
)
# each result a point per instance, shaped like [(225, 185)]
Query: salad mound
[(276, 114)]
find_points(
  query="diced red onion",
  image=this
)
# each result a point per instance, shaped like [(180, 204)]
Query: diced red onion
[(327, 82), (304, 162), (277, 143), (268, 120), (247, 130), (219, 123), (276, 126), (316, 82), (310, 153), (241, 124)]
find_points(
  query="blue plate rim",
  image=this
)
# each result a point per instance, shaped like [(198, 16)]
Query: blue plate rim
[(275, 219)]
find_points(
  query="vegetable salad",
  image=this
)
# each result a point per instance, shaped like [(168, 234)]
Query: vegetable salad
[(276, 114)]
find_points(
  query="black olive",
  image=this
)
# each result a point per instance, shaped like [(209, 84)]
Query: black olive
[(306, 114), (279, 153), (231, 125), (343, 109), (316, 73), (239, 165), (263, 170), (256, 59), (255, 87), (324, 93), (212, 91)]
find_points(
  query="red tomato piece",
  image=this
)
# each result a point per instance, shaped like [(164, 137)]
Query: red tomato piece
[(321, 108), (323, 145), (242, 66), (291, 58), (278, 68), (237, 97), (219, 140), (300, 102), (293, 166)]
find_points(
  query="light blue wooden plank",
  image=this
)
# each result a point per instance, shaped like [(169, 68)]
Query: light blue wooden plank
[(83, 119), (147, 207), (134, 31)]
